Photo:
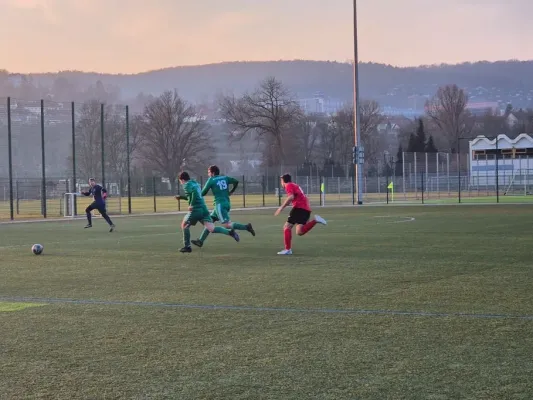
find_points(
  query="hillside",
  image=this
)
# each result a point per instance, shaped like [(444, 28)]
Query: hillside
[(502, 81)]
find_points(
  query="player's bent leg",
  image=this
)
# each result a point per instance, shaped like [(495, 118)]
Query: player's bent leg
[(200, 241), (303, 229), (185, 227), (88, 211), (105, 216), (205, 232), (242, 227), (218, 229)]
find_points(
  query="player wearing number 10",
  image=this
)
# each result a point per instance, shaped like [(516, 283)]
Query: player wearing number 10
[(219, 185)]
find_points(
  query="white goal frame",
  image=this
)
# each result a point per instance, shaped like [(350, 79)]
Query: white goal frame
[(69, 200)]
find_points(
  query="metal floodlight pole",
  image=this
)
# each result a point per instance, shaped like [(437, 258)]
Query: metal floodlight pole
[(43, 164), (497, 174), (359, 164), (128, 156), (10, 159), (102, 140)]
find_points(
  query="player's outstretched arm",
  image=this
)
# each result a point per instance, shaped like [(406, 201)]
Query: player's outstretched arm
[(181, 197), (287, 201)]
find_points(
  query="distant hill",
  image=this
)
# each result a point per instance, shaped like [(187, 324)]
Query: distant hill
[(504, 81)]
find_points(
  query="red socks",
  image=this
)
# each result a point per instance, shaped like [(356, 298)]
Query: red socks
[(307, 227), (287, 237), (287, 233)]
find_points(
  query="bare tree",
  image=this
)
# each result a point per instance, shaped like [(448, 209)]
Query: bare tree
[(307, 132), (339, 139), (447, 110), (89, 139), (269, 112), (115, 139), (173, 136)]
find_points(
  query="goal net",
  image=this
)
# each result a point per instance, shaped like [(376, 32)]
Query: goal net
[(520, 183)]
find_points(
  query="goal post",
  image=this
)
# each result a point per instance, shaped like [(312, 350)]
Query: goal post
[(113, 205), (520, 183), (69, 205)]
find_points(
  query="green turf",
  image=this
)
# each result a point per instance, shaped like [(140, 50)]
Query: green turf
[(449, 259)]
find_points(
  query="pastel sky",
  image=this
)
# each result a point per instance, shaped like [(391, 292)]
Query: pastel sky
[(130, 36)]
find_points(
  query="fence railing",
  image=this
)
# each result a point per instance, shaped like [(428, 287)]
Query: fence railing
[(155, 195), (49, 149)]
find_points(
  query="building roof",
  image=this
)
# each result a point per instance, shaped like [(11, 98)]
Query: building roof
[(522, 141)]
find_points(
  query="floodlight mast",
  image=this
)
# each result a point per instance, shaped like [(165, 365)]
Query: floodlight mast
[(358, 145)]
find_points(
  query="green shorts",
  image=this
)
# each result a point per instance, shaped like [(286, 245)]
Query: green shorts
[(197, 215), (221, 213)]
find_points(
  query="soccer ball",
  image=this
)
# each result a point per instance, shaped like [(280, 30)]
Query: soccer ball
[(37, 249)]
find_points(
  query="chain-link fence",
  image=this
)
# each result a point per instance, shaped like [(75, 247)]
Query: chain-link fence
[(49, 149)]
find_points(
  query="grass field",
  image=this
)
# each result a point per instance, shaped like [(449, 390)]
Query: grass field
[(395, 302), (31, 209)]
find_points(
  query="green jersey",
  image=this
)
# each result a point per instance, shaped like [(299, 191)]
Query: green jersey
[(219, 185), (193, 192)]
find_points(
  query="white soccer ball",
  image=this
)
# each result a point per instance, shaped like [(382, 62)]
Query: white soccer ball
[(37, 249)]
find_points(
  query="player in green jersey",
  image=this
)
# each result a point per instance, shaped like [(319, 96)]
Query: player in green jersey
[(219, 185), (198, 212)]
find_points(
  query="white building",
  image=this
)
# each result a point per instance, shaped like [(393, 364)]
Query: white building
[(320, 104), (512, 158)]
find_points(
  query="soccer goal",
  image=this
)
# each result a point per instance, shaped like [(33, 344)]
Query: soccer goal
[(69, 205), (519, 183), (114, 206)]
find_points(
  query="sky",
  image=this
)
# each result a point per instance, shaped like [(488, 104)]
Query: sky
[(130, 36)]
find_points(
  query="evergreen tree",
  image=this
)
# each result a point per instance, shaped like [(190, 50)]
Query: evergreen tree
[(430, 146), (399, 161), (412, 146), (420, 137)]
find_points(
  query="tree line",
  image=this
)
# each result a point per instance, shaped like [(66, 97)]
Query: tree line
[(170, 134)]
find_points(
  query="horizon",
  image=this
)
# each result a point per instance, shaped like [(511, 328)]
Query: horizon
[(436, 65), (105, 37)]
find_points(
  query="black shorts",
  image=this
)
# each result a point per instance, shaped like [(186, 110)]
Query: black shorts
[(298, 216), (95, 205)]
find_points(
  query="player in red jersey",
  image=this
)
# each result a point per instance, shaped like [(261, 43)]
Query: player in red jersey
[(299, 215)]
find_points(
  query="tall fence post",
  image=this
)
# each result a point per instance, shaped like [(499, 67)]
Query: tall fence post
[(321, 194), (17, 190), (128, 156), (263, 189), (155, 194), (353, 189), (387, 188), (10, 159), (279, 193), (422, 184), (403, 175), (74, 183), (243, 191), (43, 166), (459, 167), (102, 136)]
